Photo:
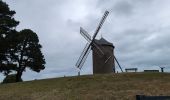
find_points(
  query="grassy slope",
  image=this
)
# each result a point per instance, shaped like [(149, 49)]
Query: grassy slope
[(97, 87)]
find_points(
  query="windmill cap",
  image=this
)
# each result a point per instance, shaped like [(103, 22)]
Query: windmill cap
[(103, 41)]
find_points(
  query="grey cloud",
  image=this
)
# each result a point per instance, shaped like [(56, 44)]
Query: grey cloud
[(123, 8), (136, 49)]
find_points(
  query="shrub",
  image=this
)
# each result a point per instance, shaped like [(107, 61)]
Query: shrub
[(10, 79)]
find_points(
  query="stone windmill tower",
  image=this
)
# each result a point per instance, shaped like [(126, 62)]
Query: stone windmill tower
[(106, 62), (103, 51)]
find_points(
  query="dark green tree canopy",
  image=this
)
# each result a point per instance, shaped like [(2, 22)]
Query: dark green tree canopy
[(18, 50), (27, 51), (7, 31), (7, 22)]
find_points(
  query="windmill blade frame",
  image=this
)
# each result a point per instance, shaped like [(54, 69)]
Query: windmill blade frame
[(98, 48), (88, 38), (85, 35), (83, 54), (107, 59), (100, 24), (84, 59), (87, 48)]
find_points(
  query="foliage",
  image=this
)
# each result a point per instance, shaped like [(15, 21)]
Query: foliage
[(7, 31), (27, 52), (18, 50)]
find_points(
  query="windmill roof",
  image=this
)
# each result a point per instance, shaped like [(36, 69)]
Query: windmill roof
[(103, 41)]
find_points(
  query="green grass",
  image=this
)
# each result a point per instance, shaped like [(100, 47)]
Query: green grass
[(95, 87)]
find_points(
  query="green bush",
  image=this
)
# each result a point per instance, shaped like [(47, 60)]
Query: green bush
[(10, 79)]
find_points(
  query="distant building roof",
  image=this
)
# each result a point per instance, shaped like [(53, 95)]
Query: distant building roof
[(103, 41)]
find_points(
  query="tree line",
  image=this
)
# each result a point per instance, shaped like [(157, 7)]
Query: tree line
[(18, 49)]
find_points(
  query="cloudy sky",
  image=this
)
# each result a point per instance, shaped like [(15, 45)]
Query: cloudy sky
[(139, 29)]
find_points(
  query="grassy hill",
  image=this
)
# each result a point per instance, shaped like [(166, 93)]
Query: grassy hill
[(96, 87)]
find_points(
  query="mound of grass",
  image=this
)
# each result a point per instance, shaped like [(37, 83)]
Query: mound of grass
[(123, 86), (10, 79)]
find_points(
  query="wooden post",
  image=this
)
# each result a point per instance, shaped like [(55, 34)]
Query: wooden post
[(79, 73)]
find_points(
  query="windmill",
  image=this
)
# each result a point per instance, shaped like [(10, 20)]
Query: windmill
[(103, 57)]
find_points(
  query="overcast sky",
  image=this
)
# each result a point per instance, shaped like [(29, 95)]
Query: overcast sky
[(139, 30)]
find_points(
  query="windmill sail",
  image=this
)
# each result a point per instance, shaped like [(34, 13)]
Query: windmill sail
[(88, 38), (107, 59), (98, 48), (90, 43), (84, 59), (100, 24), (83, 55), (85, 34)]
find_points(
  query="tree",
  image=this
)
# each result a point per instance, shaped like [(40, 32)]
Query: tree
[(7, 30), (18, 50), (26, 52)]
